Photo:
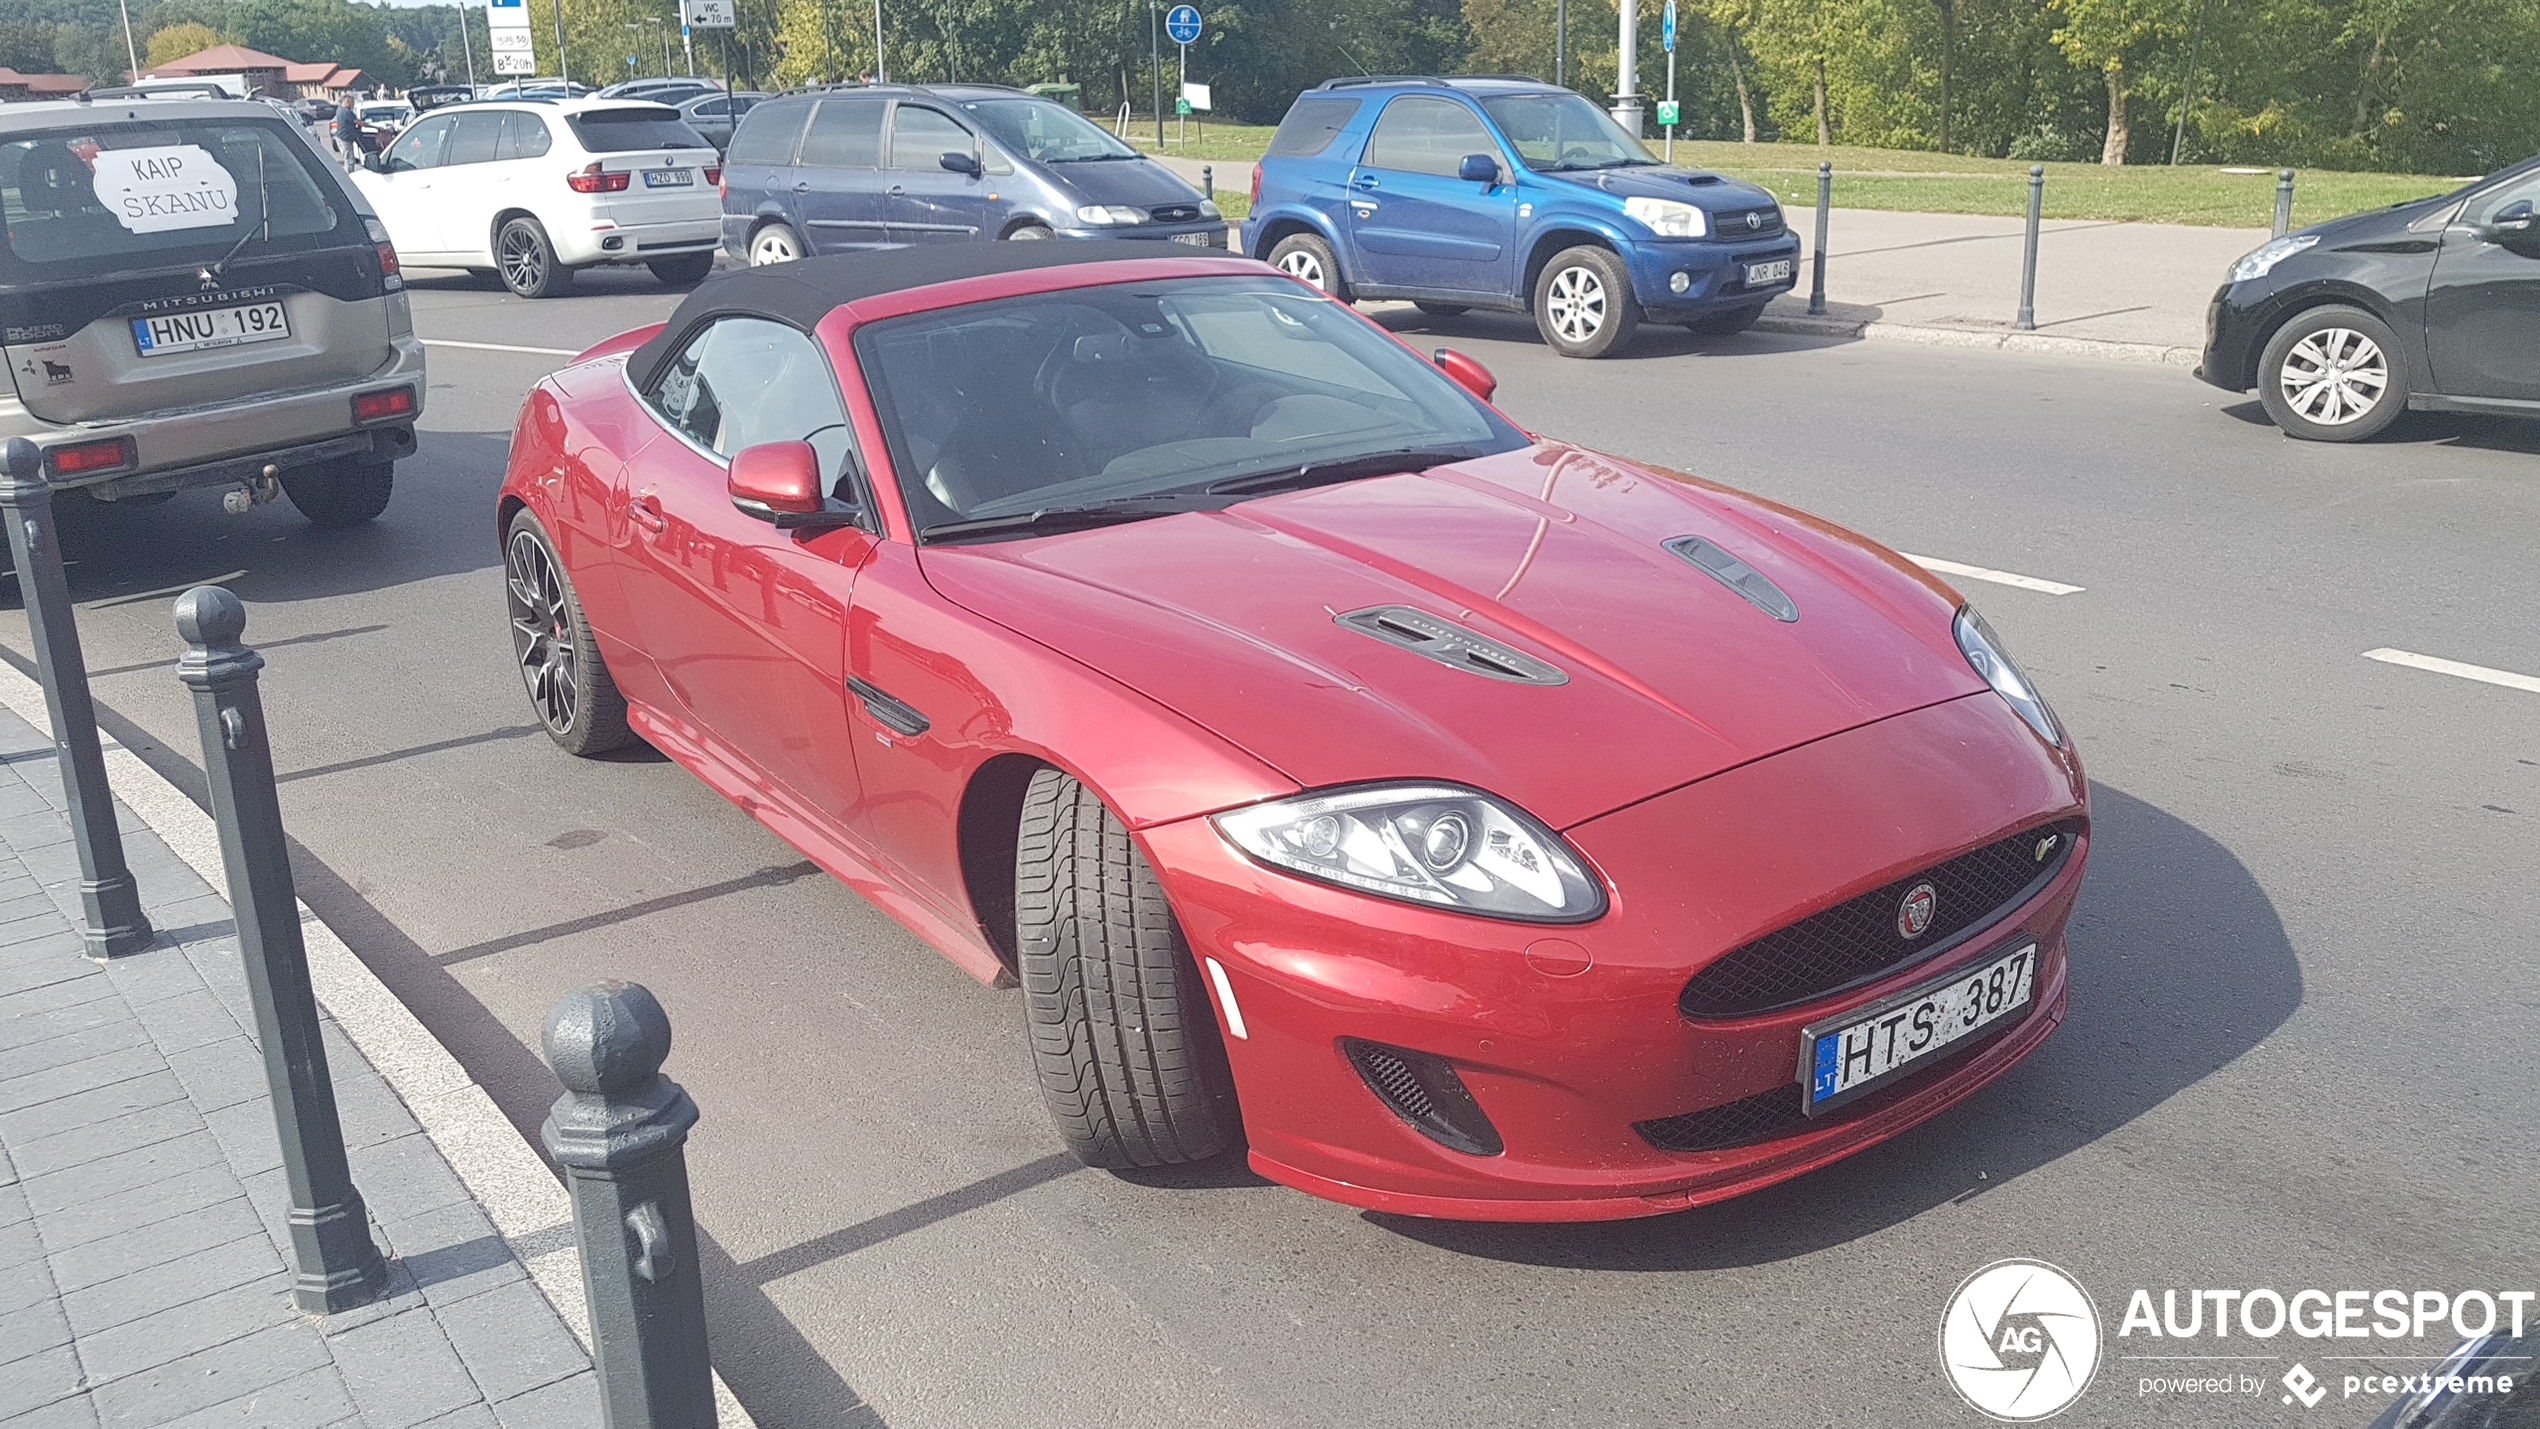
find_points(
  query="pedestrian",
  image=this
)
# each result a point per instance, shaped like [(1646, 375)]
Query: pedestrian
[(348, 134)]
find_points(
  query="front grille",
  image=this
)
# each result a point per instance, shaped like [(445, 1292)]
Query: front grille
[(1859, 940), (1768, 223), (1174, 213)]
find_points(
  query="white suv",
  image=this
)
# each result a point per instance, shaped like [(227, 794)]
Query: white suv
[(532, 189)]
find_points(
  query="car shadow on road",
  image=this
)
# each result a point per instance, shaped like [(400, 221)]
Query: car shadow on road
[(2450, 429), (1654, 340), (2180, 966)]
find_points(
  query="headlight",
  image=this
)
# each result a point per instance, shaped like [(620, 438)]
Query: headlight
[(2269, 254), (1985, 654), (1208, 208), (1423, 843), (1110, 213), (1668, 219)]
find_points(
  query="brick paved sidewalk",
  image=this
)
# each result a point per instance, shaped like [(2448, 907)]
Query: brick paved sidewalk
[(142, 1250)]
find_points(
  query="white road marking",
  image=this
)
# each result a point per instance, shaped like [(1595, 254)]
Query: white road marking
[(1981, 573), (2481, 673), (503, 347)]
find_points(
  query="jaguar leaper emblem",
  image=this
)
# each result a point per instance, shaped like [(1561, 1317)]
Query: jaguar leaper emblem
[(1914, 915)]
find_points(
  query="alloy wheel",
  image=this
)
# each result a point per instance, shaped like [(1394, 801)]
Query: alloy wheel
[(542, 631), (773, 245), (524, 259), (1575, 302), (2334, 376), (1303, 266)]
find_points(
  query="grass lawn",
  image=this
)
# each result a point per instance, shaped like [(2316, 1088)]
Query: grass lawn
[(1914, 181)]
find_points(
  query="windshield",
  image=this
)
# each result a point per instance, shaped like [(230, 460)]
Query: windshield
[(113, 198), (1553, 133), (1043, 132), (1106, 394), (616, 131)]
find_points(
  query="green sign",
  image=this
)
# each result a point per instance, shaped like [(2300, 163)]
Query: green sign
[(1181, 106), (1667, 113)]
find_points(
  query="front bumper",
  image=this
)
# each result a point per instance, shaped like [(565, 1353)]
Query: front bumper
[(1715, 274), (1209, 233), (1567, 1037), (2235, 328)]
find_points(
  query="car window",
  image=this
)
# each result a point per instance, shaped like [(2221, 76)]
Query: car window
[(1311, 126), (768, 134), (2487, 205), (845, 134), (716, 107), (1044, 132), (524, 137), (421, 146), (1095, 394), (746, 381), (921, 137), (92, 201), (617, 131), (475, 139), (1562, 131), (1419, 135)]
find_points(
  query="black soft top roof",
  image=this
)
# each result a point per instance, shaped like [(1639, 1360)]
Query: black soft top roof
[(801, 294)]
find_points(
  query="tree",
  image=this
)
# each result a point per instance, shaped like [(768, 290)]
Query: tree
[(2115, 37), (177, 41)]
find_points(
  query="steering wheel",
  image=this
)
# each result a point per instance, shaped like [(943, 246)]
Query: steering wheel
[(1580, 151)]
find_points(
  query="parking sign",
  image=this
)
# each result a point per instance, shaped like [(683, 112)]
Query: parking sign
[(1182, 24)]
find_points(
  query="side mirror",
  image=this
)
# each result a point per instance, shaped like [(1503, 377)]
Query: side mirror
[(1478, 169), (961, 163), (2512, 225), (376, 161), (1468, 374), (779, 483)]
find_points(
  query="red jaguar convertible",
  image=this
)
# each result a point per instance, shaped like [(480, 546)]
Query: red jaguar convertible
[(1469, 824)]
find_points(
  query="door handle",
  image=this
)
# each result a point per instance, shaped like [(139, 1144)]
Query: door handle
[(1365, 181), (803, 187), (896, 190), (645, 511)]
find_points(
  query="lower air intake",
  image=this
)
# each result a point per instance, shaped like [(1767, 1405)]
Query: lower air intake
[(1425, 1091)]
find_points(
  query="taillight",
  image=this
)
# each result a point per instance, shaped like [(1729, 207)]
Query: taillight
[(590, 180), (1256, 185), (81, 458), (381, 406), (714, 176), (390, 277)]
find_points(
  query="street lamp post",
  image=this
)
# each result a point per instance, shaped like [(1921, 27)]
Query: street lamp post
[(1155, 65), (1627, 71), (564, 70)]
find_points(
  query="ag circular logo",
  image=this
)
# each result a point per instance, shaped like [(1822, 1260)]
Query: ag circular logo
[(1913, 915), (2020, 1340)]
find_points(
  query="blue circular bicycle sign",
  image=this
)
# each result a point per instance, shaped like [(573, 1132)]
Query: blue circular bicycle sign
[(1182, 24)]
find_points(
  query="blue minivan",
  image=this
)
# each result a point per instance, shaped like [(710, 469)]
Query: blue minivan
[(1510, 193), (877, 166)]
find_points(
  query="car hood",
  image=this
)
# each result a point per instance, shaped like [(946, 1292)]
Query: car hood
[(1230, 618), (1141, 182), (1715, 193)]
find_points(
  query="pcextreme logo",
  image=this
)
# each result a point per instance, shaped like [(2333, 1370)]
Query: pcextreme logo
[(2020, 1340)]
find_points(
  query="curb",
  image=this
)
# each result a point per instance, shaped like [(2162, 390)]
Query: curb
[(505, 1175), (2039, 344)]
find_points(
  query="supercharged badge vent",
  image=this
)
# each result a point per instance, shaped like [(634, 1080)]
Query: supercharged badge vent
[(1749, 583), (1450, 644)]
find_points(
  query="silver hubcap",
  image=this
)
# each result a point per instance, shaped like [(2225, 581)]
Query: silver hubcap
[(1574, 302), (524, 258), (2334, 376), (772, 246), (1302, 265), (542, 631)]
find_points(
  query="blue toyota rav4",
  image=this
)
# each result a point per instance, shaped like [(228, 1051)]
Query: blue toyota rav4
[(1510, 193)]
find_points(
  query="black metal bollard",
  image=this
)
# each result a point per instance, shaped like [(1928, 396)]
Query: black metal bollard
[(110, 901), (338, 1266), (1825, 202), (2028, 264), (619, 1132), (2283, 202), (1208, 181)]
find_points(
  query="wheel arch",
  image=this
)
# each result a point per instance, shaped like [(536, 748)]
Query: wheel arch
[(2291, 305), (1022, 221), (1287, 223), (494, 230), (1554, 240), (986, 829)]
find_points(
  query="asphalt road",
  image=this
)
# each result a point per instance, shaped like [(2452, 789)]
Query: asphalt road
[(2303, 989)]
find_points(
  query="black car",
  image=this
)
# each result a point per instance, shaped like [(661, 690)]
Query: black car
[(2433, 305)]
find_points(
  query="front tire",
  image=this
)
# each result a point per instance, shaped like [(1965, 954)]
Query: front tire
[(1027, 233), (341, 493), (528, 260), (1583, 303), (776, 243), (2333, 374), (1308, 259), (1123, 1039), (568, 683), (685, 271)]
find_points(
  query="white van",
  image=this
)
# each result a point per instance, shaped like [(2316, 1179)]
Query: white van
[(534, 189)]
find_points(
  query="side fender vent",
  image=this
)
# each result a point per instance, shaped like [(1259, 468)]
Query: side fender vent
[(1450, 644), (1737, 575)]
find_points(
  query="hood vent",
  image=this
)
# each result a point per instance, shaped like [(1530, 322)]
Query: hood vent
[(1737, 575), (1451, 645)]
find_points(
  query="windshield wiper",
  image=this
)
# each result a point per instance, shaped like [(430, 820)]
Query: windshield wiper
[(264, 219), (1076, 518), (1319, 473)]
